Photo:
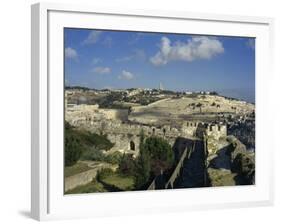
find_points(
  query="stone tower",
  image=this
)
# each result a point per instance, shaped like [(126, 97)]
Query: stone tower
[(161, 86)]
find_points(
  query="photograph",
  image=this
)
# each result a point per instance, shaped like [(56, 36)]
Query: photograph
[(157, 111)]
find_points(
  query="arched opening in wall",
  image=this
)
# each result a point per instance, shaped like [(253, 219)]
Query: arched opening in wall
[(153, 131), (132, 146), (164, 131), (219, 128)]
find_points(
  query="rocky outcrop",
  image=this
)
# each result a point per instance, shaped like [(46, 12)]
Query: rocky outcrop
[(231, 165), (221, 177)]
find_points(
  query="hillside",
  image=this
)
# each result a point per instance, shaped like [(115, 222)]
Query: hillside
[(199, 108)]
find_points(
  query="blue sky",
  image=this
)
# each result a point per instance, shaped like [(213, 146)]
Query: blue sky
[(115, 59)]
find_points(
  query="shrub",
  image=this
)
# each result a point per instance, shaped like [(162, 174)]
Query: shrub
[(103, 173), (113, 158), (127, 165), (100, 142), (92, 154), (85, 145)]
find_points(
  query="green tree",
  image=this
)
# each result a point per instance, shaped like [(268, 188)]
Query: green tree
[(161, 154), (160, 150), (156, 156), (72, 149), (142, 165), (143, 168)]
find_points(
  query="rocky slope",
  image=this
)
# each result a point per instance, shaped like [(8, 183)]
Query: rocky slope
[(232, 165)]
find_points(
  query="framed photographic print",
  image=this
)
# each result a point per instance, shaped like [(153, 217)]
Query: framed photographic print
[(161, 111)]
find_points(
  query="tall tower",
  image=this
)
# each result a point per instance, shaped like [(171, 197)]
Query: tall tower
[(161, 86)]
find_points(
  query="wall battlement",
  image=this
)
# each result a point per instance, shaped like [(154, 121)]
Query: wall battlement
[(125, 136)]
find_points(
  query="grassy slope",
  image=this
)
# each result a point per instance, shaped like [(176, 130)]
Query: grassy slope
[(88, 139), (75, 169), (124, 183)]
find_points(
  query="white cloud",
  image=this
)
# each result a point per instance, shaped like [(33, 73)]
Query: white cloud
[(194, 49), (96, 61), (126, 75), (93, 37), (102, 70), (70, 53)]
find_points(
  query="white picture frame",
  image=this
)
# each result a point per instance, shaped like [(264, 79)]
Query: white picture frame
[(48, 201)]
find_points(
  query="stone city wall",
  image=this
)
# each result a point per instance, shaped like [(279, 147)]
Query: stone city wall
[(85, 177), (125, 136)]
